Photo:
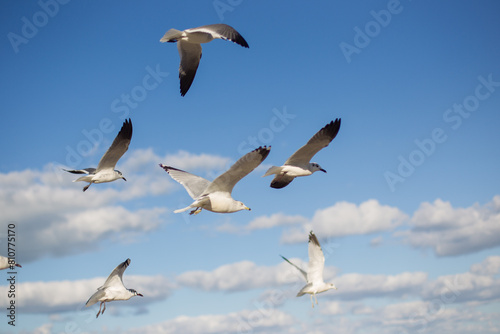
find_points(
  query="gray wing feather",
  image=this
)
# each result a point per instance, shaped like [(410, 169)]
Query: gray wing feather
[(281, 181), (118, 148), (320, 140), (241, 168), (222, 31), (195, 185), (298, 268), (190, 54), (81, 171)]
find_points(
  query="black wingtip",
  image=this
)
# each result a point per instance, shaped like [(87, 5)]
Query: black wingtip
[(264, 151), (333, 127), (167, 168), (313, 238)]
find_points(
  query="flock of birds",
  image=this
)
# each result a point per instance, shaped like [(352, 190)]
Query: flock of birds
[(213, 195)]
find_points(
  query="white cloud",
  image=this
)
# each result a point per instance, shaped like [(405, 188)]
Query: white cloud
[(55, 218), (452, 231), (345, 218), (139, 159), (245, 321), (338, 220), (239, 276), (480, 284), (353, 286), (64, 296)]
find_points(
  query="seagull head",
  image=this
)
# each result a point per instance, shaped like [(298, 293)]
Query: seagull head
[(120, 175), (241, 206), (331, 286), (135, 293), (315, 167)]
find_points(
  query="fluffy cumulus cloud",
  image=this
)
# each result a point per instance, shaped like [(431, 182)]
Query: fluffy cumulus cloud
[(54, 217), (239, 276), (343, 219), (63, 296), (340, 219), (450, 231)]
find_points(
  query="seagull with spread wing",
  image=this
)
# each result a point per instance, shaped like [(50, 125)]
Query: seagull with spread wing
[(298, 164), (215, 196), (105, 171), (113, 289), (314, 274), (189, 46)]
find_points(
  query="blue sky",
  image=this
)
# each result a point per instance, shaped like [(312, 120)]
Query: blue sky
[(408, 214)]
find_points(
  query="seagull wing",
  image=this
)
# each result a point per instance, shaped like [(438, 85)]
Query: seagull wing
[(241, 168), (195, 185), (81, 171), (320, 140), (316, 260), (116, 276), (298, 268), (118, 148), (190, 54), (222, 31), (281, 181)]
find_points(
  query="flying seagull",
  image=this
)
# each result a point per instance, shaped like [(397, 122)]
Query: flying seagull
[(215, 196), (188, 44), (113, 289), (4, 263), (314, 274), (105, 171), (298, 163)]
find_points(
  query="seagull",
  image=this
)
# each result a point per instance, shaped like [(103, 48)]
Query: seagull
[(298, 163), (188, 44), (314, 274), (113, 289), (105, 171), (215, 196), (4, 263)]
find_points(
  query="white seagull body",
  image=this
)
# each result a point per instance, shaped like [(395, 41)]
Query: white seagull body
[(113, 289), (298, 164), (105, 171), (4, 263), (188, 44), (215, 196), (314, 274)]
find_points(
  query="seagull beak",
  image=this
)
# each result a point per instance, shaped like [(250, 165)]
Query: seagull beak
[(18, 265), (140, 294), (247, 208), (124, 178), (321, 169)]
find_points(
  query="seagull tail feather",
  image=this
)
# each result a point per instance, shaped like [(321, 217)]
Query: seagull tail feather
[(182, 210), (273, 170), (171, 36)]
